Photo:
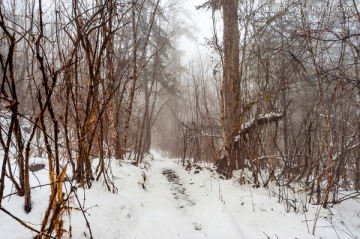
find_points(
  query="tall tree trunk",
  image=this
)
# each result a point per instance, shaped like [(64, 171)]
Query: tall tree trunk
[(147, 119), (357, 160), (230, 87)]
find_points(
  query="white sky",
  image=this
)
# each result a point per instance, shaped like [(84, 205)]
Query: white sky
[(201, 19)]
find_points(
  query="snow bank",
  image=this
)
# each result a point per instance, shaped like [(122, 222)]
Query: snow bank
[(162, 200)]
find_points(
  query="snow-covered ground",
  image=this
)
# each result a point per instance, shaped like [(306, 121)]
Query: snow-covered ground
[(181, 204)]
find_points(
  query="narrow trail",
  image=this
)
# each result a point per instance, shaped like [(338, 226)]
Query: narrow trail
[(182, 205)]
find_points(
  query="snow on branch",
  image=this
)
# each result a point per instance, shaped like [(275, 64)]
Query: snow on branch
[(259, 121)]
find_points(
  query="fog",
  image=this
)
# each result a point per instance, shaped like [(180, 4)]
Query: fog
[(201, 23)]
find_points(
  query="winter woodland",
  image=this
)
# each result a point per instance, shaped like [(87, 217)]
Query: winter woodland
[(109, 129)]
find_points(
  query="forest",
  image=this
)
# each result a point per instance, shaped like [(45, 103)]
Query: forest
[(86, 86)]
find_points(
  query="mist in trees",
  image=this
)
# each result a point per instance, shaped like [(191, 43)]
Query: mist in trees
[(285, 107)]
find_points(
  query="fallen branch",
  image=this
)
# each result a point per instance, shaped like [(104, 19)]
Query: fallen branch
[(347, 197), (259, 121)]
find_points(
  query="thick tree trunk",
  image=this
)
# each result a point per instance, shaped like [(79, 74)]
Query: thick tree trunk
[(147, 119), (230, 88), (357, 179), (357, 167)]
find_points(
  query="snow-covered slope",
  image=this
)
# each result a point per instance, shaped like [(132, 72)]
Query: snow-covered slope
[(161, 200)]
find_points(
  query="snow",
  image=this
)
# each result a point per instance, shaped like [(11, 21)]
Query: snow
[(181, 204), (267, 116), (245, 127)]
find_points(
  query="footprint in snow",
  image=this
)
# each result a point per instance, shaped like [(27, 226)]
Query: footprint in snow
[(197, 226), (179, 191)]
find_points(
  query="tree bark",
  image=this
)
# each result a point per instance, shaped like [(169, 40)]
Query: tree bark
[(230, 87)]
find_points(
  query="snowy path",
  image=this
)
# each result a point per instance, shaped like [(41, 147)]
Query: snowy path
[(181, 207), (180, 204)]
